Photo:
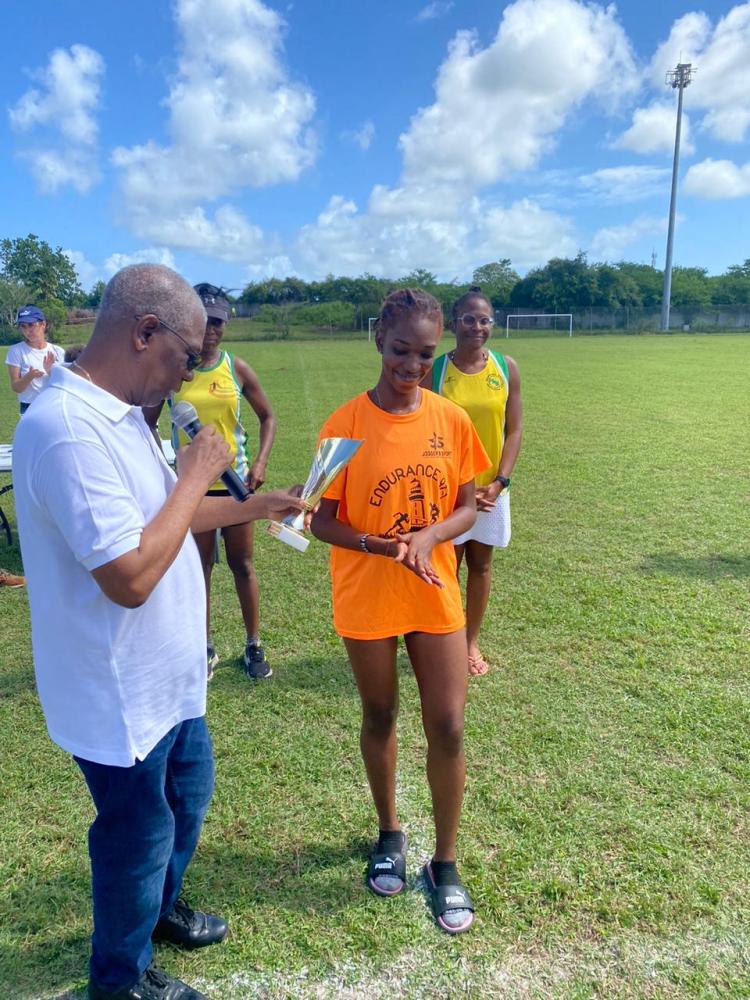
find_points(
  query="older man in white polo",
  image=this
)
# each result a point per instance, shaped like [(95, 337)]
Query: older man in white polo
[(118, 615)]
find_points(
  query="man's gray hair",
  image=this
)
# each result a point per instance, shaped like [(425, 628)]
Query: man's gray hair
[(141, 289)]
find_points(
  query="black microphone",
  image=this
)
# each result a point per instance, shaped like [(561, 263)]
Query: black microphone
[(185, 416)]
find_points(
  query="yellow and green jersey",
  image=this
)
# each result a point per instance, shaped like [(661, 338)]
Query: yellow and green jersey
[(484, 396), (216, 393)]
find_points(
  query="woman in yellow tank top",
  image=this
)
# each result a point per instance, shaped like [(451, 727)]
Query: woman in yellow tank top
[(218, 385), (487, 385)]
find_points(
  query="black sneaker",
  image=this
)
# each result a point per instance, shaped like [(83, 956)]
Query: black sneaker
[(254, 660), (190, 928), (211, 660), (154, 984)]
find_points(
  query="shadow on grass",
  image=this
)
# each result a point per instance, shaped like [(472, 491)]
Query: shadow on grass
[(317, 878), (711, 567), (15, 681), (315, 672), (38, 915), (306, 878), (10, 555), (328, 673)]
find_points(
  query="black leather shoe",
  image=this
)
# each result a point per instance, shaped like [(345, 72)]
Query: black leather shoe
[(154, 984), (190, 928)]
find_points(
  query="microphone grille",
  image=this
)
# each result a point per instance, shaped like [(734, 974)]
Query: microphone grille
[(184, 414)]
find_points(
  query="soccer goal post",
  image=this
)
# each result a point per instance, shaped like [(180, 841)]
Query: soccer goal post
[(537, 316), (371, 321)]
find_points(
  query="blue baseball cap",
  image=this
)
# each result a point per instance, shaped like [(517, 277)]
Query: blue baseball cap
[(30, 314)]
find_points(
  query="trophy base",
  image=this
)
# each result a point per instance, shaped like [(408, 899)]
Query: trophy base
[(289, 536)]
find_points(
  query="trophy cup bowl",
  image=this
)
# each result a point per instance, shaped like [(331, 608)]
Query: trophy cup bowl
[(330, 458)]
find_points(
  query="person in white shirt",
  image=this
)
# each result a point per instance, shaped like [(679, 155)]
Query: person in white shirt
[(118, 614), (30, 362)]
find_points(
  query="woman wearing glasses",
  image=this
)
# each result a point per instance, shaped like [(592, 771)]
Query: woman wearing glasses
[(487, 385), (220, 381)]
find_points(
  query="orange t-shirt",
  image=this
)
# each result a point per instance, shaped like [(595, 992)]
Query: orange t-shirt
[(405, 476)]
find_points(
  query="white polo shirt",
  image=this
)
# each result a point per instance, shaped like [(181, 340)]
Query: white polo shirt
[(24, 357), (88, 477)]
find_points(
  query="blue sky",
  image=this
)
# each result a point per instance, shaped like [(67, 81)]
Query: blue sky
[(235, 139)]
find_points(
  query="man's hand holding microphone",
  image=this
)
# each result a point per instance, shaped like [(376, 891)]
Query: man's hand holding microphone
[(208, 457)]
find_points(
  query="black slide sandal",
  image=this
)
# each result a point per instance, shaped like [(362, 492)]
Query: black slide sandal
[(389, 865), (447, 898)]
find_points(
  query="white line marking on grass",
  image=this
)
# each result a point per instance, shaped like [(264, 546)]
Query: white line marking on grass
[(632, 966)]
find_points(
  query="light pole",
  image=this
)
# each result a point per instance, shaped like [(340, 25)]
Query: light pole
[(678, 79)]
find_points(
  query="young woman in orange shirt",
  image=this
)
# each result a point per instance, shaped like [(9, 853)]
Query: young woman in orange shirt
[(390, 518)]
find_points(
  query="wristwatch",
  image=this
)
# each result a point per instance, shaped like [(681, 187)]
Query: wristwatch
[(504, 481)]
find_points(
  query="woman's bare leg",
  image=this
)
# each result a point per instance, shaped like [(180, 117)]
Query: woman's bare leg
[(374, 666), (439, 663), (478, 586)]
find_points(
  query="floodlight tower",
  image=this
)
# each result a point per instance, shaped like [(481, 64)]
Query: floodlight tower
[(678, 79)]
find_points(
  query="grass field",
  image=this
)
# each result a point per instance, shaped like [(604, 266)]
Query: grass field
[(241, 329), (606, 833)]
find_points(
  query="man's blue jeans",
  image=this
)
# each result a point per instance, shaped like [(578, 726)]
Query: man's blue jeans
[(149, 817)]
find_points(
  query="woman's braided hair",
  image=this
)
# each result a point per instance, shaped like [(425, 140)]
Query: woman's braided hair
[(475, 292), (407, 301)]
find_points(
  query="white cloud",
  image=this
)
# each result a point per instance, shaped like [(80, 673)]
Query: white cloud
[(438, 8), (718, 179), (524, 232), (688, 37), (63, 109), (653, 130), (718, 96), (722, 82), (496, 112), (89, 273), (629, 183), (272, 267), (362, 136), (227, 235), (449, 239), (417, 201), (236, 120), (497, 109), (150, 255), (609, 242)]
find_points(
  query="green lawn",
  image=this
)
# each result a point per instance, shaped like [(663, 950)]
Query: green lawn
[(241, 329), (606, 835)]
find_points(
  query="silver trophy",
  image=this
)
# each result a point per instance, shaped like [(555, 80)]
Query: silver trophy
[(330, 458)]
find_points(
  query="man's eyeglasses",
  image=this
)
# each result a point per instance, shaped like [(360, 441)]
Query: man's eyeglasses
[(194, 358), (470, 319)]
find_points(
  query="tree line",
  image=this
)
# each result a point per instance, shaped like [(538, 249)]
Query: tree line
[(561, 285), (33, 271)]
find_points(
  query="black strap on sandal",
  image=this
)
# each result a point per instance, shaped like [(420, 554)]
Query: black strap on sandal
[(392, 865), (450, 897)]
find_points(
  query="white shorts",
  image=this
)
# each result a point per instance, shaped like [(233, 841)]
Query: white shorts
[(492, 527)]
